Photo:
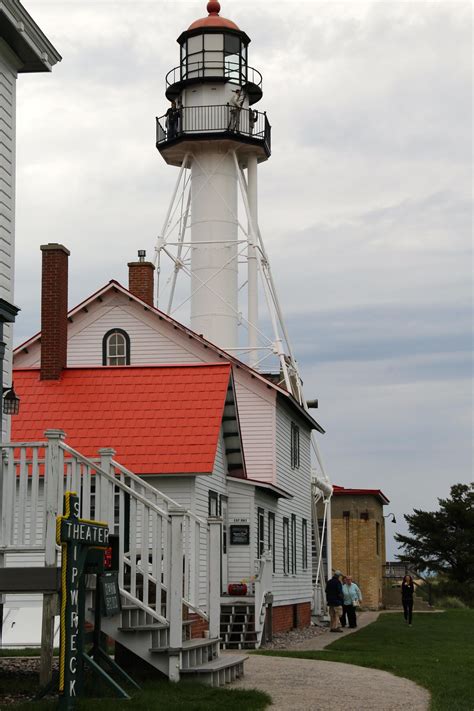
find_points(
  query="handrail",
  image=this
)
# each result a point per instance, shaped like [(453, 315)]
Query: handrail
[(155, 492), (113, 480), (230, 71), (263, 586), (214, 119)]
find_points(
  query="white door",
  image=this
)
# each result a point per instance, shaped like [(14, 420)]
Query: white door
[(224, 545)]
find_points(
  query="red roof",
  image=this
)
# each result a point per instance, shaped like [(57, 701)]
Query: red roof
[(342, 491), (159, 419)]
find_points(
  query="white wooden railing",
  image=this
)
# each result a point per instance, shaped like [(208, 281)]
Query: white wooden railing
[(161, 545), (263, 587)]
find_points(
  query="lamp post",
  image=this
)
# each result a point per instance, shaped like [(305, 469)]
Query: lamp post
[(8, 313)]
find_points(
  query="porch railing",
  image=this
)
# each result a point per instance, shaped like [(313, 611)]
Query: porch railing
[(263, 588), (160, 543), (215, 120)]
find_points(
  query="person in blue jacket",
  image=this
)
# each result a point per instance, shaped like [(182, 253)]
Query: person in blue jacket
[(352, 599), (335, 600)]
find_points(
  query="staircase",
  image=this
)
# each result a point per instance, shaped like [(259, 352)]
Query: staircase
[(160, 545), (197, 659), (238, 626)]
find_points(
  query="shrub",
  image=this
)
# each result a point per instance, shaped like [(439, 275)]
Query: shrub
[(451, 603)]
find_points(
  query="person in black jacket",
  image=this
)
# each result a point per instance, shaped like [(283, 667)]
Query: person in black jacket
[(407, 598), (335, 600)]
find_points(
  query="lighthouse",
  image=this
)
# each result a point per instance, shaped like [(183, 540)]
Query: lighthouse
[(214, 133)]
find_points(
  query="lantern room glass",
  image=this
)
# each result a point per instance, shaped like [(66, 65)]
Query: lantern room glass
[(214, 55)]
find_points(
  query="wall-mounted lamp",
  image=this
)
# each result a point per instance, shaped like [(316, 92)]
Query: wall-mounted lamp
[(393, 519), (11, 402)]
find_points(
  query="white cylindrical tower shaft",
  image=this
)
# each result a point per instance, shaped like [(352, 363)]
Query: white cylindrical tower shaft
[(214, 235), (210, 118), (252, 289)]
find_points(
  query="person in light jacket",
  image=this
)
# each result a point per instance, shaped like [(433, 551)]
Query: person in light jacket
[(236, 103), (352, 599)]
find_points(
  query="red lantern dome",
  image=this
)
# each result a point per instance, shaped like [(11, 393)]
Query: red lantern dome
[(213, 19)]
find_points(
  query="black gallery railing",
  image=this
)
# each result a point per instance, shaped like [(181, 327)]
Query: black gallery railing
[(247, 123), (234, 72)]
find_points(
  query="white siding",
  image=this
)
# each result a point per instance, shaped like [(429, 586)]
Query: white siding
[(241, 508), (8, 77), (292, 588), (178, 488), (256, 407), (216, 482)]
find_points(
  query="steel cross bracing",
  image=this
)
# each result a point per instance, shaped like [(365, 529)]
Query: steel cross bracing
[(173, 243)]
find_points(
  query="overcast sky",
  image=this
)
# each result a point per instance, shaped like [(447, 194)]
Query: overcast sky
[(364, 205)]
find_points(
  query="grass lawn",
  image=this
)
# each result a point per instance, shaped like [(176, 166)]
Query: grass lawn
[(165, 696), (437, 652)]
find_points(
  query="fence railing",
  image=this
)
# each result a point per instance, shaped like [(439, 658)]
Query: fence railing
[(216, 119), (233, 72), (161, 544)]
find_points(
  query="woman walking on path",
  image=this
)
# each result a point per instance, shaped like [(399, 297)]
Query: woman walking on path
[(352, 599), (407, 598)]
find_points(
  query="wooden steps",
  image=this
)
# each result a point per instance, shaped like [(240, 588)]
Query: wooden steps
[(237, 626), (198, 658), (220, 671)]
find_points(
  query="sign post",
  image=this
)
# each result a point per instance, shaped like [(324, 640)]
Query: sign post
[(78, 537)]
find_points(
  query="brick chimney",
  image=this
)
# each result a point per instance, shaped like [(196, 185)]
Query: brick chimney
[(54, 311), (141, 278)]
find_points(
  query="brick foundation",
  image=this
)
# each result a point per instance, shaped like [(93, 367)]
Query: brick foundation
[(288, 617)]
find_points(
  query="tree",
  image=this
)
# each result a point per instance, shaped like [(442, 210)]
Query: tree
[(442, 541)]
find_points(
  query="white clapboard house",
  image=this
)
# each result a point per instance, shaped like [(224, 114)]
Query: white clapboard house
[(188, 431)]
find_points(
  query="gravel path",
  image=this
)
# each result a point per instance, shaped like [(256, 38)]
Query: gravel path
[(309, 685)]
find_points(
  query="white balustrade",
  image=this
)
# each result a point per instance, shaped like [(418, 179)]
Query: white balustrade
[(35, 476)]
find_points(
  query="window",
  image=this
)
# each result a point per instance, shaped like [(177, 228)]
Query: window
[(304, 542), (260, 532), (293, 544), (377, 537), (295, 446), (213, 502), (286, 546), (116, 347), (271, 535)]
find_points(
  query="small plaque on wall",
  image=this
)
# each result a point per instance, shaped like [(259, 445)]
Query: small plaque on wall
[(239, 535)]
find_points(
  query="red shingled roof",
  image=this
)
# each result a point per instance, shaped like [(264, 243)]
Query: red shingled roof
[(159, 419)]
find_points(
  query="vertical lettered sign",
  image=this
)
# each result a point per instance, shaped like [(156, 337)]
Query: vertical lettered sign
[(75, 536)]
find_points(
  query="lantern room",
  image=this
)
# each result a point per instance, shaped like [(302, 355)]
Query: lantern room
[(214, 48)]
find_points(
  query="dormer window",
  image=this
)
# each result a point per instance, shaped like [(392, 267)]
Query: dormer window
[(116, 348)]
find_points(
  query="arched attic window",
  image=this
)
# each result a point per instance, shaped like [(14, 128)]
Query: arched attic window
[(116, 347)]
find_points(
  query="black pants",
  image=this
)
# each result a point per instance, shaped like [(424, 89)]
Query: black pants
[(407, 610), (349, 616)]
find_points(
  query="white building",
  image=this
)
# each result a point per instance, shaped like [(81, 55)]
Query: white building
[(260, 469)]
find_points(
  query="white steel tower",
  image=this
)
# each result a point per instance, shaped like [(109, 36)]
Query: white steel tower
[(212, 130)]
